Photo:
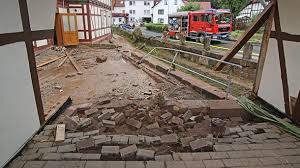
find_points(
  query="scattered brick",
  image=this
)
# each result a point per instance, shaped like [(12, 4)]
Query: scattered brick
[(134, 123), (94, 132), (166, 116), (109, 123), (85, 144), (111, 111), (185, 142), (74, 135), (103, 140), (145, 154), (187, 115), (169, 139), (83, 107), (177, 120), (110, 150), (85, 122), (153, 126), (66, 148), (201, 145), (152, 140), (104, 116), (75, 140), (133, 139), (246, 133), (90, 112), (235, 130), (50, 127), (123, 140), (128, 151)]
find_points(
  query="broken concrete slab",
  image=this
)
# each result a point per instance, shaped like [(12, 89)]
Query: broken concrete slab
[(134, 123), (129, 151)]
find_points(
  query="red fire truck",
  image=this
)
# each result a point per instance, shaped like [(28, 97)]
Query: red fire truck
[(216, 23)]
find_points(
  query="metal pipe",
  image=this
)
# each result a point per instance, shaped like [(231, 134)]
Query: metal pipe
[(174, 58), (214, 59), (144, 57), (221, 83)]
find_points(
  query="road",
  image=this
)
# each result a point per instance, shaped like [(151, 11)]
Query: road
[(219, 43)]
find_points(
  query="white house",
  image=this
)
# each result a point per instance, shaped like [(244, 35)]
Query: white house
[(163, 8), (253, 8), (137, 10), (119, 15)]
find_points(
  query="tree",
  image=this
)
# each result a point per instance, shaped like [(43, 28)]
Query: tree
[(190, 6), (234, 5)]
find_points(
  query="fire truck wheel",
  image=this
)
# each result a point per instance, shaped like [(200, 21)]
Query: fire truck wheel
[(177, 36), (201, 38)]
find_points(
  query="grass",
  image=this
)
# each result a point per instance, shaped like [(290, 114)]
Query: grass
[(235, 35)]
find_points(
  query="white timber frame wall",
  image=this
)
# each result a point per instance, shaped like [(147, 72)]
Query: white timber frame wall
[(94, 19), (279, 79), (21, 110)]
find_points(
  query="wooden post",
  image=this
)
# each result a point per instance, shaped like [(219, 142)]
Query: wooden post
[(248, 49), (207, 41), (246, 36), (263, 51), (296, 109)]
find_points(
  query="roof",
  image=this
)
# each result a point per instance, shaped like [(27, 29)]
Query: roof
[(203, 5), (119, 3), (119, 14)]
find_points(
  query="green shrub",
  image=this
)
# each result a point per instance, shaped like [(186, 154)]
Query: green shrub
[(157, 27)]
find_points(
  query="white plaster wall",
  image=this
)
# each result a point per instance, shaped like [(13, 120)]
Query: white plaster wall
[(18, 113), (271, 85), (270, 88), (139, 8), (168, 9), (10, 17), (41, 14), (116, 20)]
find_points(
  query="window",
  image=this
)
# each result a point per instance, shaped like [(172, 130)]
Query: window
[(123, 11), (120, 19), (160, 11), (166, 2), (146, 3), (132, 19), (131, 11), (131, 3), (146, 12), (160, 20), (175, 2), (195, 18)]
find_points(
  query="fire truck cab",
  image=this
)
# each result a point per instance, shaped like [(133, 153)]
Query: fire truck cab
[(216, 23)]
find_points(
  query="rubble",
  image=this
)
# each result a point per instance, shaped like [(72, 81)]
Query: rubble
[(166, 116), (104, 116), (169, 139), (145, 154), (110, 150), (128, 151), (101, 59), (84, 122), (152, 126), (201, 145), (177, 120), (70, 123), (187, 115), (134, 123), (217, 127), (85, 144)]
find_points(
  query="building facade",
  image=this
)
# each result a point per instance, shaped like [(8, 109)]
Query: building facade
[(163, 8)]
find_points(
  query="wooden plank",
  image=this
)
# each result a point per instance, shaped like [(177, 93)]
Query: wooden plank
[(285, 86), (76, 66), (63, 61), (263, 52), (246, 36), (50, 61), (60, 132), (58, 105)]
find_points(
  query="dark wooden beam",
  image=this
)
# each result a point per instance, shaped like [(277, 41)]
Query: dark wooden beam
[(263, 51), (285, 36), (282, 63), (262, 18), (296, 110)]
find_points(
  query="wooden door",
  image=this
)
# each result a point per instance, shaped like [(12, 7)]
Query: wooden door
[(69, 29)]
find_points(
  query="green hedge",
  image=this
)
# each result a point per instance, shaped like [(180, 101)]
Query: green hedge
[(156, 27)]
